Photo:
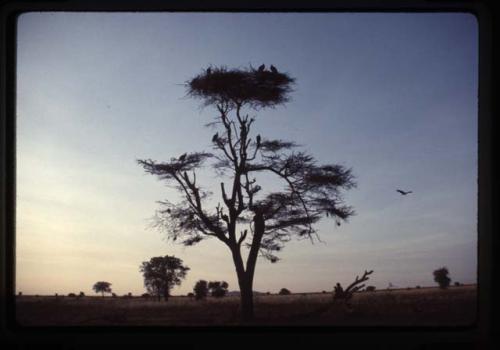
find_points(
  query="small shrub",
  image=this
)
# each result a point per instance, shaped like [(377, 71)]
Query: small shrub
[(72, 295), (113, 295), (284, 291), (370, 289), (129, 295), (457, 284), (190, 295), (145, 295), (418, 287), (20, 293), (81, 295)]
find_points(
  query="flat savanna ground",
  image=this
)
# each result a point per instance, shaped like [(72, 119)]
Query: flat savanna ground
[(404, 307)]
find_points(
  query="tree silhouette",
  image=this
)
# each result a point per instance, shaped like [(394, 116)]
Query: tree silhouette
[(162, 273), (102, 287), (441, 277), (200, 290), (218, 289), (247, 216), (284, 291)]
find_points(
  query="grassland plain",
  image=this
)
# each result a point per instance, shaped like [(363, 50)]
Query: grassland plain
[(455, 306)]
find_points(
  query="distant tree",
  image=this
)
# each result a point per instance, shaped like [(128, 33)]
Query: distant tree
[(190, 295), (418, 287), (81, 295), (129, 295), (72, 295), (284, 291), (20, 293), (441, 277), (113, 295), (457, 284), (370, 288), (268, 293), (145, 295), (248, 216), (200, 290), (162, 273), (218, 289), (323, 292), (102, 287)]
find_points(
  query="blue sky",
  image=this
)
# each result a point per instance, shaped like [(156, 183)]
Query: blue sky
[(394, 96)]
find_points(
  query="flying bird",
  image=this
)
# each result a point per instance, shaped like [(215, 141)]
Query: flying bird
[(258, 141), (182, 157), (215, 137), (262, 67), (273, 69), (403, 192)]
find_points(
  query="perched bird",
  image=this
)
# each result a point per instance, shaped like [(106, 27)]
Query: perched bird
[(182, 157), (215, 137), (273, 69), (258, 141), (225, 217), (262, 67), (403, 192), (209, 70)]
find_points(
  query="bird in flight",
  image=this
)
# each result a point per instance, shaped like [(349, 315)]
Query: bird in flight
[(262, 67), (273, 69), (403, 192), (182, 157)]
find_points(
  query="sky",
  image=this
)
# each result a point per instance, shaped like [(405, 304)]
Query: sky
[(391, 95)]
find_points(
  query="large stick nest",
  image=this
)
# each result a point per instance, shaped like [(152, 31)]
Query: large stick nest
[(241, 86)]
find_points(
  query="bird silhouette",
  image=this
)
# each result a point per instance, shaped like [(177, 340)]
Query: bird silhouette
[(258, 141), (215, 137), (273, 69), (403, 192), (182, 157), (262, 67)]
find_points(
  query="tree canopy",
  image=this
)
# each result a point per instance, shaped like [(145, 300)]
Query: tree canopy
[(102, 287), (162, 273)]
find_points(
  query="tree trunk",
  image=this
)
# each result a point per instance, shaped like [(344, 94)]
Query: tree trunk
[(245, 276), (246, 295)]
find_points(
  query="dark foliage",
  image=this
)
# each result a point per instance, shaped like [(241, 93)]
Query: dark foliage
[(145, 295), (370, 288), (218, 289), (201, 289), (81, 295), (457, 284), (162, 273), (72, 295), (102, 287), (241, 86), (284, 291), (441, 277)]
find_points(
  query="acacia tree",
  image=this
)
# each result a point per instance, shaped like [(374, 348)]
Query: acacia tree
[(101, 287), (247, 216), (162, 273)]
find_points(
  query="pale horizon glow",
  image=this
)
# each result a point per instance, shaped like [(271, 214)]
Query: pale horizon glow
[(391, 95)]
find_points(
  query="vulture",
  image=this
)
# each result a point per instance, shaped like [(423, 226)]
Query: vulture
[(215, 137), (273, 69), (183, 157), (403, 192), (262, 67)]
